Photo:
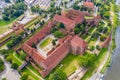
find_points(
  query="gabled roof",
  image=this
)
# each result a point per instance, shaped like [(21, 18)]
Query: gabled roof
[(63, 20)]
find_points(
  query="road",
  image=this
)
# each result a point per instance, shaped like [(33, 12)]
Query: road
[(97, 75), (9, 73), (78, 74)]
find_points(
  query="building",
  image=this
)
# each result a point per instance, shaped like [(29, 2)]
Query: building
[(70, 19), (69, 43), (94, 21), (78, 45), (89, 5), (106, 42), (17, 28)]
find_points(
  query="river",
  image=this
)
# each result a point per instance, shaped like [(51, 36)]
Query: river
[(113, 72)]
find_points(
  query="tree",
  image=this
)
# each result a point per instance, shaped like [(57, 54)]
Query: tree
[(76, 7), (76, 30), (14, 11), (9, 45), (87, 60), (7, 1), (8, 59), (58, 34), (24, 77), (98, 47), (14, 66), (4, 79), (92, 48), (1, 65), (33, 45), (58, 75), (62, 25), (53, 42)]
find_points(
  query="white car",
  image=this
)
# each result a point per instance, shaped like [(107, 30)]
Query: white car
[(101, 77)]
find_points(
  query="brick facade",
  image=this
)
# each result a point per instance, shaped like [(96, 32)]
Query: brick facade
[(70, 19), (56, 55)]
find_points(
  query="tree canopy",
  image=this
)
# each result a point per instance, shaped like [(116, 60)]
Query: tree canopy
[(58, 75), (14, 11)]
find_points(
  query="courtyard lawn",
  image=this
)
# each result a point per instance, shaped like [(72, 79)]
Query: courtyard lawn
[(45, 42)]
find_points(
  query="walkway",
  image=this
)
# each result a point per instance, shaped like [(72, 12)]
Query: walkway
[(28, 68), (78, 74), (97, 75)]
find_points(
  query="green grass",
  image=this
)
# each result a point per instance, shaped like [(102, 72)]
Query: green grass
[(45, 42), (6, 25), (69, 64), (92, 69), (30, 74), (26, 70), (87, 17), (3, 23)]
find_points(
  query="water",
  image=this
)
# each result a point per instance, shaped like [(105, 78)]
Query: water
[(113, 73)]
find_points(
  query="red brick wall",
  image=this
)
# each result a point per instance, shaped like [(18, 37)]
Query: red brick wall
[(39, 36), (56, 56), (32, 53)]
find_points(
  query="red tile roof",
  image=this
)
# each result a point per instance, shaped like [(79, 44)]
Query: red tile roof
[(63, 20), (88, 4), (78, 42)]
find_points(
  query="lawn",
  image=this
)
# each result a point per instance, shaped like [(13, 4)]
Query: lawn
[(88, 17), (3, 23), (18, 59), (6, 25), (46, 42), (99, 58), (69, 64)]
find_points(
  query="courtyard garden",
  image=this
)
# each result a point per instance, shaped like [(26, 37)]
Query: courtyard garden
[(45, 42)]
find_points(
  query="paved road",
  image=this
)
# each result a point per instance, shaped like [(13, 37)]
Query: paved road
[(78, 74), (9, 73)]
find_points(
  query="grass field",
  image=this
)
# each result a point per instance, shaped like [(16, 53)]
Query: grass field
[(4, 25), (45, 42), (91, 70)]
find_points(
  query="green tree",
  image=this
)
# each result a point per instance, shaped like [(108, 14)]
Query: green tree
[(58, 75), (1, 65), (4, 79), (76, 30), (33, 45), (54, 42), (24, 77), (14, 66), (58, 34), (62, 25)]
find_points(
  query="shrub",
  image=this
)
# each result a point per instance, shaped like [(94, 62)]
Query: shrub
[(14, 66)]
